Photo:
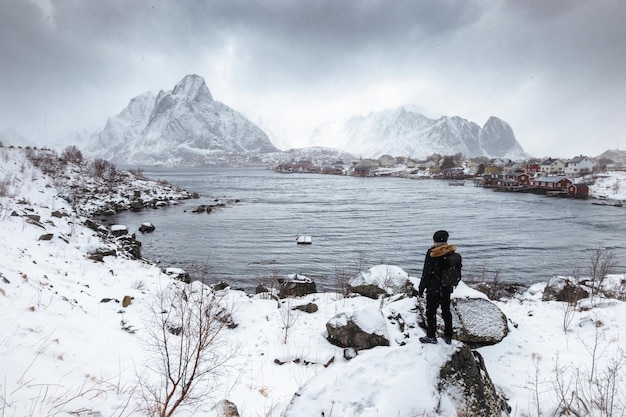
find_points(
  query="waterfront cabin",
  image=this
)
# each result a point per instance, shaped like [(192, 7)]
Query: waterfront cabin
[(578, 190), (513, 182), (550, 184)]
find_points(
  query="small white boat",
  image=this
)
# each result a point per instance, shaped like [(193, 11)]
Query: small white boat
[(304, 240)]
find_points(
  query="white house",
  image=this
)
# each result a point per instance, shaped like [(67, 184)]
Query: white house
[(579, 165), (552, 166)]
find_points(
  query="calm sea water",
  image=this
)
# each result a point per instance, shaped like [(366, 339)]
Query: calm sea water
[(524, 237)]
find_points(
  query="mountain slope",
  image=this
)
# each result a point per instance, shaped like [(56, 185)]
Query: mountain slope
[(185, 126), (406, 132)]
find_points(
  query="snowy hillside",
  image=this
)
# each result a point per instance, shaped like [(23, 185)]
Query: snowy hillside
[(85, 337), (184, 126), (405, 132)]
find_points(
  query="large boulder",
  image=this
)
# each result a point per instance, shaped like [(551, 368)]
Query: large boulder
[(130, 245), (422, 380), (119, 230), (98, 253), (296, 285), (381, 280), (361, 329), (224, 408), (563, 289), (465, 371), (476, 321)]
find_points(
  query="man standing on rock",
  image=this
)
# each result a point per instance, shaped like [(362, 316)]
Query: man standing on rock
[(436, 293)]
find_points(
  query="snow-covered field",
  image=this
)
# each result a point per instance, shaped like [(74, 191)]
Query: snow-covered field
[(71, 344)]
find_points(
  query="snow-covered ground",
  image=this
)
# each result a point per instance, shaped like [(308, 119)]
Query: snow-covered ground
[(76, 334), (611, 186)]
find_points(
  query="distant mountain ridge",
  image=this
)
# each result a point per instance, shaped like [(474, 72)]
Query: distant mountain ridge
[(185, 126), (406, 132)]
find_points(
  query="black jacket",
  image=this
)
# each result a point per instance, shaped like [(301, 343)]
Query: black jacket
[(431, 273)]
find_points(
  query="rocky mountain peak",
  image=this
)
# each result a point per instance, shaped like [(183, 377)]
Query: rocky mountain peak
[(194, 88), (407, 132), (184, 126)]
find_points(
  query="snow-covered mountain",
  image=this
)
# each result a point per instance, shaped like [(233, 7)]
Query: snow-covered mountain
[(615, 155), (185, 126), (406, 132)]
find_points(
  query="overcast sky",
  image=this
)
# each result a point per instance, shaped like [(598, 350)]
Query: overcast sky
[(555, 70)]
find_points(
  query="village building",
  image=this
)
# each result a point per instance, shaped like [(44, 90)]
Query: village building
[(579, 165), (300, 166), (550, 183), (386, 161), (364, 167), (578, 190), (552, 167), (532, 169)]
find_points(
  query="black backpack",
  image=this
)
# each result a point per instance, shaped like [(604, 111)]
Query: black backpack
[(451, 272)]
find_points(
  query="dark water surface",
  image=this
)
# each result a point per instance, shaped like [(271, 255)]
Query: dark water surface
[(525, 237)]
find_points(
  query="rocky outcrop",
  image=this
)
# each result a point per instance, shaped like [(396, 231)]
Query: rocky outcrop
[(362, 329), (465, 372), (563, 289), (224, 408), (381, 280), (98, 254), (147, 228), (130, 245), (178, 274), (296, 285)]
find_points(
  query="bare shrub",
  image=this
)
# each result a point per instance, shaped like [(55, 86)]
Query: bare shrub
[(288, 317), (343, 276), (591, 390), (72, 154), (187, 345), (138, 172), (602, 262), (102, 168), (570, 305), (5, 186), (489, 282)]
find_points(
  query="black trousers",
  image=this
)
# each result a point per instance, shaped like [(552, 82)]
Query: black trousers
[(432, 303)]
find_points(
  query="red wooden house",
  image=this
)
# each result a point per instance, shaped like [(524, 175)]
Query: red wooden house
[(578, 190)]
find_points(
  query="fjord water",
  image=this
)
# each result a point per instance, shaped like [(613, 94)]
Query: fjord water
[(526, 238)]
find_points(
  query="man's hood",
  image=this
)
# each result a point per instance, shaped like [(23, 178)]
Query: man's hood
[(442, 250)]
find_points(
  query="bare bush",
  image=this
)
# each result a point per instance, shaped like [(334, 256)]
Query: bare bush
[(189, 353), (72, 154), (288, 317), (343, 276), (138, 172), (592, 390), (489, 282), (570, 305), (5, 186), (102, 168), (602, 262)]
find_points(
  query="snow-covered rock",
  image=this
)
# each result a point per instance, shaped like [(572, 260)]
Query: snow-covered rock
[(360, 329), (379, 280)]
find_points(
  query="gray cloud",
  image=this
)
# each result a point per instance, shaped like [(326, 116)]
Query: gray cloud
[(554, 70)]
